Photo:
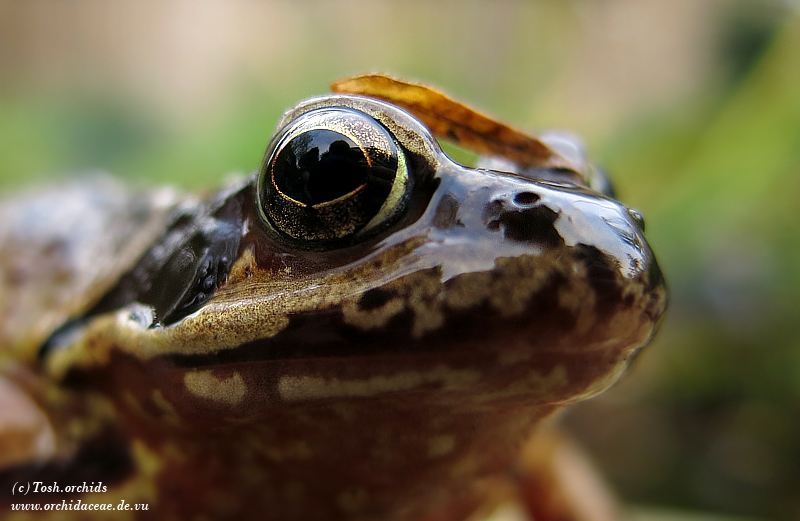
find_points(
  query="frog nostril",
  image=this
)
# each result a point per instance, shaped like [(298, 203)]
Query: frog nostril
[(526, 198)]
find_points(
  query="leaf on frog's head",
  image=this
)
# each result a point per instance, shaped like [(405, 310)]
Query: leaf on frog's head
[(455, 122)]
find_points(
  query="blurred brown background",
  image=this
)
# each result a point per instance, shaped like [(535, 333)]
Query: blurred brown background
[(693, 106)]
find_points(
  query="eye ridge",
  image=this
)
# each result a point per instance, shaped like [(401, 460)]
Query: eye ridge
[(331, 174)]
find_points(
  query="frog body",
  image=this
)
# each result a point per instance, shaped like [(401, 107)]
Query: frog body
[(290, 347)]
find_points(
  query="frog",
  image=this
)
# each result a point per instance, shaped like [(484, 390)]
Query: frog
[(362, 329)]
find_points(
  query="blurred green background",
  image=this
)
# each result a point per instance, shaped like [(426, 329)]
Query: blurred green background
[(693, 106)]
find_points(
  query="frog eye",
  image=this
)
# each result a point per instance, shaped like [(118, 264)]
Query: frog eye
[(332, 173)]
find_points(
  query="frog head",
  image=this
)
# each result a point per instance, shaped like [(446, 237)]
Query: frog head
[(364, 302)]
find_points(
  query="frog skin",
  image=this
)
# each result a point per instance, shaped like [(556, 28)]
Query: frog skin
[(255, 353)]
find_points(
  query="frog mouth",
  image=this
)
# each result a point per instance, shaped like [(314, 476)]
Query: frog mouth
[(338, 332), (543, 353), (548, 336)]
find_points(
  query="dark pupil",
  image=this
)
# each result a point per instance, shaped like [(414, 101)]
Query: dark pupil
[(319, 166)]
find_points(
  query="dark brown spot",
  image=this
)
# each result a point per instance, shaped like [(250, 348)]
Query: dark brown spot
[(628, 300), (534, 225), (446, 212), (493, 210), (602, 273), (374, 299)]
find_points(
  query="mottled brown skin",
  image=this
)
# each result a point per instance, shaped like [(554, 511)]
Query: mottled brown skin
[(393, 376)]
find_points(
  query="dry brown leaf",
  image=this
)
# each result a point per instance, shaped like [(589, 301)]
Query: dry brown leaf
[(455, 122)]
